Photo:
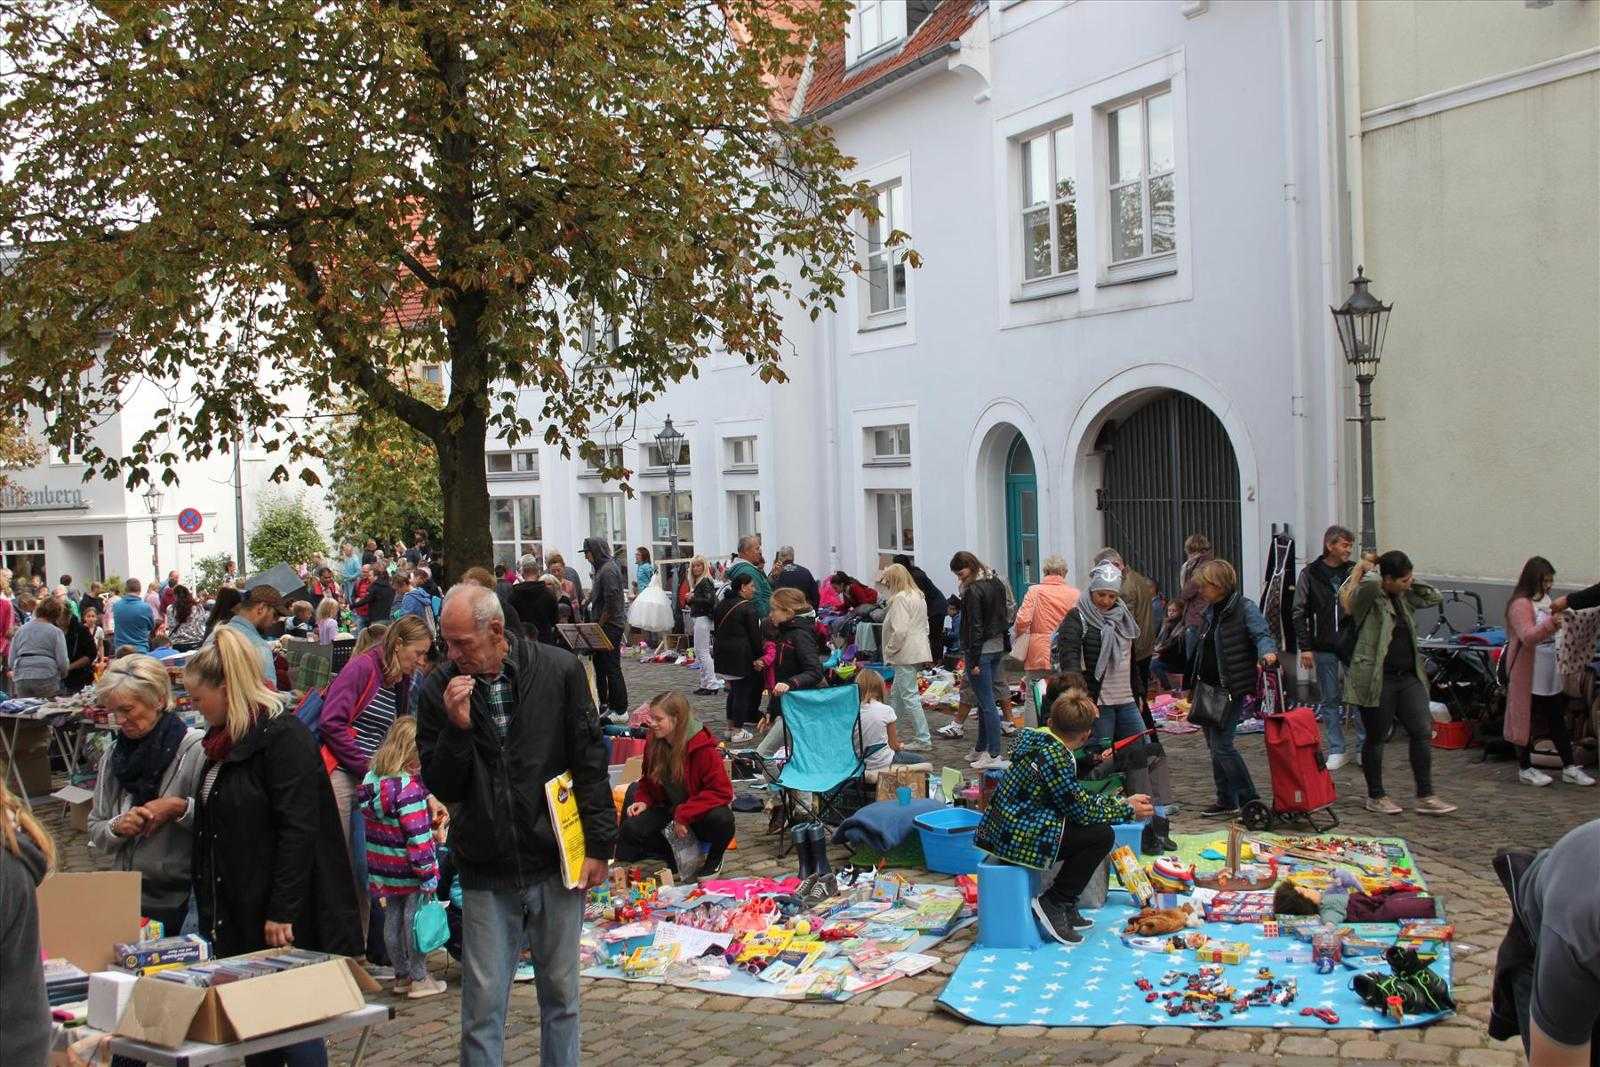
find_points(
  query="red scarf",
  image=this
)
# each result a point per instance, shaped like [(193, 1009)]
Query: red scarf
[(218, 742)]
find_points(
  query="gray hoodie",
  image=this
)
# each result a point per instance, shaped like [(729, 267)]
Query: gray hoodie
[(25, 1022), (165, 857), (608, 596)]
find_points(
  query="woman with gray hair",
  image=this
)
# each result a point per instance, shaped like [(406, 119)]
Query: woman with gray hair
[(1043, 607), (143, 810)]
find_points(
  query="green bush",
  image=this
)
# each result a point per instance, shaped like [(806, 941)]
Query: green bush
[(209, 572), (284, 532)]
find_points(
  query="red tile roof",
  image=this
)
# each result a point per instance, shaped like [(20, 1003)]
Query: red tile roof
[(830, 82)]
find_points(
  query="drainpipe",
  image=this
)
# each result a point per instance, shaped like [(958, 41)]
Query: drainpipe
[(827, 350), (1293, 216), (1350, 76)]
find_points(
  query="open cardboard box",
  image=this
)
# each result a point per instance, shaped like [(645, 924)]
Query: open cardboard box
[(168, 1013), (81, 915), (78, 801)]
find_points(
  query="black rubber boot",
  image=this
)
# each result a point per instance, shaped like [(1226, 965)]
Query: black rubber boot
[(1163, 833), (819, 850), (802, 848)]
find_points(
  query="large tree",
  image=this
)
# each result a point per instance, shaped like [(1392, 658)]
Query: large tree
[(382, 475), (265, 193)]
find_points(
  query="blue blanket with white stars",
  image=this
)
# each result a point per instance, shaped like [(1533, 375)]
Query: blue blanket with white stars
[(1095, 983)]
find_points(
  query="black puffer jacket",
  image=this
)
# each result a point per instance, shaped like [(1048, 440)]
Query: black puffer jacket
[(501, 836), (1078, 651), (268, 846), (799, 663), (735, 636), (1226, 635), (983, 614), (703, 599)]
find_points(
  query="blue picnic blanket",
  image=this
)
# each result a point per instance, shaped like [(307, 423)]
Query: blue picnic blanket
[(883, 825)]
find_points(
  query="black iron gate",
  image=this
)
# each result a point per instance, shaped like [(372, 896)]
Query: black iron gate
[(1169, 472)]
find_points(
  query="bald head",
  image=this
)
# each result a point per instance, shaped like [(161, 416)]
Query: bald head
[(473, 626)]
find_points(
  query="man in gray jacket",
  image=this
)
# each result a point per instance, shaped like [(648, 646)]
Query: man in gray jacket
[(608, 607)]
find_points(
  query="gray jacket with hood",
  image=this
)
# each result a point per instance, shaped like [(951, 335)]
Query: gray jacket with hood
[(25, 1020), (608, 596)]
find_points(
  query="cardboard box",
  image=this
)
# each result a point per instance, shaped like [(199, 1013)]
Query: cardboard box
[(891, 778), (30, 741), (169, 1013), (81, 916), (78, 801)]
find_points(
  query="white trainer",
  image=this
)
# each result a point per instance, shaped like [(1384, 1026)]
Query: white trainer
[(951, 729), (1575, 776), (1534, 776), (1337, 760)]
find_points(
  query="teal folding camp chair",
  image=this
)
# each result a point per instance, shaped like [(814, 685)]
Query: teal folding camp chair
[(824, 728)]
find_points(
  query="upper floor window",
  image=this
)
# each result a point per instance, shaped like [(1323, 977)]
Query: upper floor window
[(518, 463), (1143, 159), (1049, 204), (889, 444), (603, 338), (886, 268), (433, 374), (657, 456), (741, 453), (610, 456), (873, 24)]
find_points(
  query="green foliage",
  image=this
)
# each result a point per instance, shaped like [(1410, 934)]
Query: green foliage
[(245, 193), (210, 571), (113, 585), (284, 532), (384, 477)]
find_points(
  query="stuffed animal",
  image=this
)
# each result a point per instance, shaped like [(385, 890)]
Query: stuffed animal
[(1153, 921)]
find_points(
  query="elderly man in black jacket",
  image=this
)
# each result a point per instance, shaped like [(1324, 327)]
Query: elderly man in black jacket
[(787, 574), (501, 719)]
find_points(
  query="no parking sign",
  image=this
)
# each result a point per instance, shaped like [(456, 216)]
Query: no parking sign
[(189, 520)]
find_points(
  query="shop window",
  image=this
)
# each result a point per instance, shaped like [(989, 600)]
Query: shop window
[(516, 529)]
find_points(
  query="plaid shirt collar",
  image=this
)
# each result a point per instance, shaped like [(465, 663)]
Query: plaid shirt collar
[(501, 697)]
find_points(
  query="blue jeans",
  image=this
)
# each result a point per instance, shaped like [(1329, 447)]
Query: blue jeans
[(493, 926), (1228, 769), (982, 683), (1330, 703), (1117, 722)]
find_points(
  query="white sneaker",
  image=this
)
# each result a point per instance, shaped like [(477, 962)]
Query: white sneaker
[(1007, 727), (429, 987), (741, 737), (992, 763), (1337, 760), (1575, 776), (1534, 776), (951, 729)]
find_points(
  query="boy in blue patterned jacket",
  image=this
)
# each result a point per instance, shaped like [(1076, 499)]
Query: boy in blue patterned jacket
[(1040, 814)]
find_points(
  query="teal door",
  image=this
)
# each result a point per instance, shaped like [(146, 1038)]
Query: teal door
[(1022, 518)]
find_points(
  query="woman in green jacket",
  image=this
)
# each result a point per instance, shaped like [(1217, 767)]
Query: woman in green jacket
[(1385, 679)]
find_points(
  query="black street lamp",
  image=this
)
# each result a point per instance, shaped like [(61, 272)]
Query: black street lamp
[(152, 507), (1363, 324), (667, 444)]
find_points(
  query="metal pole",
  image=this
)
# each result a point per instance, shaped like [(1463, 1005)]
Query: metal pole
[(155, 551), (672, 583), (238, 503), (1369, 533)]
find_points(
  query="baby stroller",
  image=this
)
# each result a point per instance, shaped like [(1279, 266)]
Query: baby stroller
[(1302, 789)]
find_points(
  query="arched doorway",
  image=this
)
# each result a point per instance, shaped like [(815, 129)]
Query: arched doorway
[(1168, 470), (1022, 517)]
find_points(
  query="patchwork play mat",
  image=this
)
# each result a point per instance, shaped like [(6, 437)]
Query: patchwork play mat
[(1104, 981)]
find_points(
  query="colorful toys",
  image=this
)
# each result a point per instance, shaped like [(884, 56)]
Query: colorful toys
[(1326, 1014)]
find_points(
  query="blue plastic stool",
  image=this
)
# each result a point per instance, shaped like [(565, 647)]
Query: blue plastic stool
[(1127, 833), (1005, 906)]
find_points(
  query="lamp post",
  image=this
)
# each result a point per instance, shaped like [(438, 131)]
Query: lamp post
[(667, 442), (152, 507), (1363, 324)]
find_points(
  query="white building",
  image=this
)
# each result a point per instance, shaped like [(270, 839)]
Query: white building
[(1119, 334)]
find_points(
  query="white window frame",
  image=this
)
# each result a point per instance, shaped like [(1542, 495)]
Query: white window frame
[(69, 455), (521, 543), (530, 456), (609, 333), (660, 548), (731, 448), (737, 496), (877, 333), (901, 501), (1140, 102), (616, 519), (875, 26), (655, 464), (891, 198), (899, 457), (1053, 206), (614, 457)]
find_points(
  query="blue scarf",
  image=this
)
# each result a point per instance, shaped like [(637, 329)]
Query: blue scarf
[(138, 764)]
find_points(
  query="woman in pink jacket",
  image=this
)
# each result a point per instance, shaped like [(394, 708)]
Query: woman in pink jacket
[(1042, 610), (1534, 686)]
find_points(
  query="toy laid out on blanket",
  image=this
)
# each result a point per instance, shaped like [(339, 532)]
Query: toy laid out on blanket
[(1244, 878), (1153, 921), (1167, 875)]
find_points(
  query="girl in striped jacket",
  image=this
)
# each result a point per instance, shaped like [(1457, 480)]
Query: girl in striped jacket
[(402, 869)]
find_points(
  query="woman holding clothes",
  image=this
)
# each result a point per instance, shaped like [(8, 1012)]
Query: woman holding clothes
[(684, 789), (1095, 643), (361, 703), (905, 648), (1534, 688), (1224, 652), (1386, 680), (735, 647), (143, 811), (269, 869)]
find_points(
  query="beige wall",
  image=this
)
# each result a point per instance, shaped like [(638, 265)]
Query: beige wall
[(1483, 228), (1413, 47)]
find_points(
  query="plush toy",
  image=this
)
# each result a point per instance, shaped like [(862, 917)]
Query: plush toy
[(1153, 921), (1169, 868)]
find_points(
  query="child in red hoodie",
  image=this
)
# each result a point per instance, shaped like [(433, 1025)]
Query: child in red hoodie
[(684, 789)]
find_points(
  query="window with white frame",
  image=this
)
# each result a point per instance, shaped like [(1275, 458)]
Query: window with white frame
[(888, 446), (433, 374), (741, 453), (515, 529), (745, 508), (658, 506), (603, 338), (607, 520), (610, 456), (1049, 204), (657, 456), (1142, 158), (873, 25), (517, 463), (886, 267), (891, 517), (72, 451)]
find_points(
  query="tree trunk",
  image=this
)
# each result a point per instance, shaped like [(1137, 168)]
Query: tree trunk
[(465, 485)]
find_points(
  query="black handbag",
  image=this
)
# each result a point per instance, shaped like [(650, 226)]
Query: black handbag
[(1208, 705)]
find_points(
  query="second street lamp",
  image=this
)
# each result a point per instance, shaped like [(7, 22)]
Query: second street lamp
[(1363, 325), (152, 507), (668, 441)]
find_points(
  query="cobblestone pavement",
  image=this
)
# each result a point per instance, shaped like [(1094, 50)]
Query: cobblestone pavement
[(661, 1026)]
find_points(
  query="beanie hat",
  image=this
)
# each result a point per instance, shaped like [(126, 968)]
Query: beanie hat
[(1105, 576)]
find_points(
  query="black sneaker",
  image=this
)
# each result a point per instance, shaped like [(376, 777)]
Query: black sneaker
[(1219, 811), (1056, 919), (1080, 921)]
